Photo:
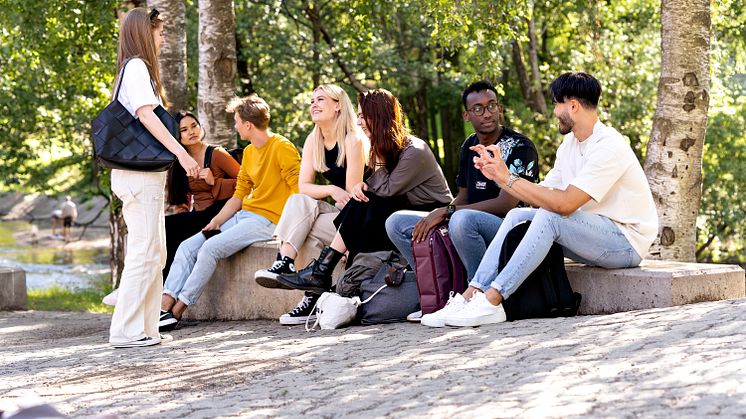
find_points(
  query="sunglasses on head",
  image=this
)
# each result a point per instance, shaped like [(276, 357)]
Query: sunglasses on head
[(154, 14)]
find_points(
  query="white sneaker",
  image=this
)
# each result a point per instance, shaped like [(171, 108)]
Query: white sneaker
[(415, 317), (146, 341), (111, 299), (455, 303), (478, 311)]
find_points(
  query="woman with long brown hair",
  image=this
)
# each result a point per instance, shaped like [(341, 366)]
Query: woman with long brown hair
[(135, 319), (405, 175)]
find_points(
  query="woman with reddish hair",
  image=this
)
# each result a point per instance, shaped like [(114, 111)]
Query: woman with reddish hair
[(403, 175)]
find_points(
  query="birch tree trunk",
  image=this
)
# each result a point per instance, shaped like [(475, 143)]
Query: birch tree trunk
[(173, 59), (217, 70), (674, 155)]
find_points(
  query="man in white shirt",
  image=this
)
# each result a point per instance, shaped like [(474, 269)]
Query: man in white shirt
[(69, 213), (595, 202)]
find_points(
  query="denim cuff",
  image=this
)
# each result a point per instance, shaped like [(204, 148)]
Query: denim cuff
[(477, 285), (185, 300)]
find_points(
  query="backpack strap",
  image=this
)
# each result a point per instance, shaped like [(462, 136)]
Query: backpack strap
[(208, 155)]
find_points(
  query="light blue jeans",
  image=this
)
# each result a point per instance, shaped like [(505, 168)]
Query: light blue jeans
[(197, 257), (587, 238), (470, 231)]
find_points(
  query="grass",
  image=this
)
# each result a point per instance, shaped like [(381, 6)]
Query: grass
[(62, 299)]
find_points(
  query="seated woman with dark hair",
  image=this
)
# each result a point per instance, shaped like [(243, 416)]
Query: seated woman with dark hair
[(405, 175), (196, 200)]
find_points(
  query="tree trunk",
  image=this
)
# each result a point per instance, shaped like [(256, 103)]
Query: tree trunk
[(118, 231), (674, 154), (520, 70), (217, 70), (173, 59), (537, 90)]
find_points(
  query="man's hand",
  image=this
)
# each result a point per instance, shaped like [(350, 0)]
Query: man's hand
[(490, 162), (420, 230), (358, 192)]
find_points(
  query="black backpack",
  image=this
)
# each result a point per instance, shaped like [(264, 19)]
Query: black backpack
[(547, 291), (236, 153)]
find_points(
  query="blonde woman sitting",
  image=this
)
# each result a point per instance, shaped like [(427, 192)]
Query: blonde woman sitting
[(337, 149)]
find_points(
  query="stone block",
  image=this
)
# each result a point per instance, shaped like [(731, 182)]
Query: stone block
[(232, 293), (654, 284), (12, 289)]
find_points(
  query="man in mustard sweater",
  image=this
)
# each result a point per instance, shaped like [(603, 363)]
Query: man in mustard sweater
[(268, 176)]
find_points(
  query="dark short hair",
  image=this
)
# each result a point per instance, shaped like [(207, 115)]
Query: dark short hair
[(576, 85), (477, 86)]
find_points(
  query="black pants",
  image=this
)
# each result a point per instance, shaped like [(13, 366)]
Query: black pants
[(362, 225), (184, 225)]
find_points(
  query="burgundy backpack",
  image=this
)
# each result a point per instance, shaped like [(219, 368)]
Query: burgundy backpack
[(438, 268)]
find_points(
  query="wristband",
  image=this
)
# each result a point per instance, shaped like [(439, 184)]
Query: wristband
[(513, 177)]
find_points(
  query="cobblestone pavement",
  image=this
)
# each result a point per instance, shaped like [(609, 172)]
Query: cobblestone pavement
[(685, 361)]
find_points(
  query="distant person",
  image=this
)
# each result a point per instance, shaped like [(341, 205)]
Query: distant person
[(56, 224), (69, 215), (135, 319), (336, 149), (405, 175), (595, 202), (268, 176), (478, 210), (200, 198)]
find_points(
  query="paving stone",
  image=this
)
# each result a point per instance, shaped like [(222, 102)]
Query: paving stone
[(679, 361)]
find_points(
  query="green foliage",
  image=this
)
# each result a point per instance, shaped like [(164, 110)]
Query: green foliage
[(62, 299), (58, 59), (55, 74)]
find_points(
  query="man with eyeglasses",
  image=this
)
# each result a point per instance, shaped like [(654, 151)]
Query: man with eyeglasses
[(478, 210)]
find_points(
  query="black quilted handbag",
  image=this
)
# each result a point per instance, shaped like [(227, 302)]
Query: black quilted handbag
[(121, 141)]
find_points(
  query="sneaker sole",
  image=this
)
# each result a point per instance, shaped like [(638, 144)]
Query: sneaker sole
[(474, 321), (137, 343), (270, 282), (294, 321), (432, 323), (278, 282)]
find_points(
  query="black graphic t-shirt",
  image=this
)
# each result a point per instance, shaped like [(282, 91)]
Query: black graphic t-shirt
[(520, 156)]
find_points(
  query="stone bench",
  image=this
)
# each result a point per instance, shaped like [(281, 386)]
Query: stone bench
[(654, 284), (232, 293), (12, 289)]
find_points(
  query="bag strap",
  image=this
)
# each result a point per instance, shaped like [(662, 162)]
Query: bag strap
[(121, 77), (208, 155), (316, 323), (374, 294)]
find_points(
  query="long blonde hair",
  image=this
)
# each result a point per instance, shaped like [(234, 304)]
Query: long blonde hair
[(343, 125), (136, 41)]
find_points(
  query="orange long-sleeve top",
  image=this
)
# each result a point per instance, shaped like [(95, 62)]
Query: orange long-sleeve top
[(224, 170), (268, 176)]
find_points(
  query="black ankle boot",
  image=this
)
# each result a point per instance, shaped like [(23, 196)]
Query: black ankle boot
[(316, 277)]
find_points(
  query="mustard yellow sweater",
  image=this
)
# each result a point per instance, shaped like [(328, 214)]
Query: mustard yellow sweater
[(268, 176)]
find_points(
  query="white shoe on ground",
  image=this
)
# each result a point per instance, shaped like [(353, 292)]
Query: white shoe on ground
[(166, 338), (146, 341), (415, 317), (111, 299), (478, 311), (455, 303)]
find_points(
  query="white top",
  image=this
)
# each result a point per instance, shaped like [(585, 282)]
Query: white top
[(604, 167), (69, 209), (137, 88)]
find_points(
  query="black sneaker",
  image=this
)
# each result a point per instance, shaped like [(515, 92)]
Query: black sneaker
[(302, 312), (268, 277), (167, 321)]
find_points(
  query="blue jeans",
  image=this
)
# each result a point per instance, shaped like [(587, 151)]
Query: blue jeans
[(197, 257), (587, 238), (470, 231)]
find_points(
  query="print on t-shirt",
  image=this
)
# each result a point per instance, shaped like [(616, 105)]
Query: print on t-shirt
[(519, 154)]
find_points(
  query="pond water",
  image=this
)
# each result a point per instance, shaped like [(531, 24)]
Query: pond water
[(48, 266)]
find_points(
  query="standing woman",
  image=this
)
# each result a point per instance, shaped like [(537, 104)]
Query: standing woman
[(337, 149), (135, 319), (206, 193)]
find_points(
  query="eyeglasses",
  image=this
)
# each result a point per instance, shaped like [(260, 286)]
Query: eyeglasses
[(478, 110), (154, 14)]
